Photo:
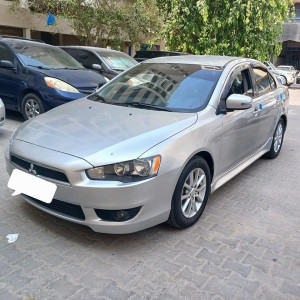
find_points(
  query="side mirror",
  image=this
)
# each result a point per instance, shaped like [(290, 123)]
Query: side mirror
[(6, 64), (238, 102), (281, 79), (97, 67)]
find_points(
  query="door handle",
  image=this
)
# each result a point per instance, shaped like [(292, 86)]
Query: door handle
[(255, 111)]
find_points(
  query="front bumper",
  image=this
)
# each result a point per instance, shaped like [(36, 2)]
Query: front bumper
[(152, 195)]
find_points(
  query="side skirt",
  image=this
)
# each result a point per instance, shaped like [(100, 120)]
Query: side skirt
[(226, 176)]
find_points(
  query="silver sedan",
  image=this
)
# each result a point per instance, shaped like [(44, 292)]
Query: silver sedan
[(151, 145), (2, 113)]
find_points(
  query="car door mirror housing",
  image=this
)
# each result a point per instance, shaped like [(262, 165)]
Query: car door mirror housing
[(97, 67), (6, 64), (238, 102)]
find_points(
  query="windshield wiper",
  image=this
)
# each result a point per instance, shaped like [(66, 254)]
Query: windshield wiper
[(96, 97), (39, 67), (150, 106)]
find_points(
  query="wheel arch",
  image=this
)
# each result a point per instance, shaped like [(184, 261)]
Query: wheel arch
[(284, 118), (26, 92), (209, 159)]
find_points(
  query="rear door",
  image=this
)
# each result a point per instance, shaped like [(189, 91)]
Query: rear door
[(268, 99), (240, 127)]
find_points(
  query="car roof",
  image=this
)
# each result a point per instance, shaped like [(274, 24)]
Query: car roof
[(159, 51), (207, 60), (11, 41), (93, 49)]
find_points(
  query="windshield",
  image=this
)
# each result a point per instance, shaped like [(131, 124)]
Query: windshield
[(43, 56), (284, 68), (117, 61), (172, 87)]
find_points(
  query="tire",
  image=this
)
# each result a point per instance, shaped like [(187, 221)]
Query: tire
[(186, 207), (277, 140), (32, 106)]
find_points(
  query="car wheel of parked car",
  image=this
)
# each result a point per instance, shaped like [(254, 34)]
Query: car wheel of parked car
[(32, 106), (277, 140), (191, 193)]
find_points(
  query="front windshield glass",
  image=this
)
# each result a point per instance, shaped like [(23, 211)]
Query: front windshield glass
[(44, 56), (117, 61), (172, 87)]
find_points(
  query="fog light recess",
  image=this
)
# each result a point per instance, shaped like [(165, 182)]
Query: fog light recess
[(117, 215)]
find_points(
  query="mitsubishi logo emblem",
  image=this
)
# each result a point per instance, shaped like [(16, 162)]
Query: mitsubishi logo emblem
[(31, 169)]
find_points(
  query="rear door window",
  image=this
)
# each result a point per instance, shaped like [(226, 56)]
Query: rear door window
[(262, 80)]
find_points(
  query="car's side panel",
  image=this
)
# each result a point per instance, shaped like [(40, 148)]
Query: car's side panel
[(269, 114)]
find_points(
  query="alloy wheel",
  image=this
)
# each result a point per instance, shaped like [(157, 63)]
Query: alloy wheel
[(32, 108), (193, 192), (278, 137)]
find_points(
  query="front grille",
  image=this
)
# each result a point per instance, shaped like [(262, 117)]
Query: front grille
[(68, 209), (42, 171)]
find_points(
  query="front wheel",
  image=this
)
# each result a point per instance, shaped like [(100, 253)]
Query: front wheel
[(32, 106), (191, 193), (277, 140)]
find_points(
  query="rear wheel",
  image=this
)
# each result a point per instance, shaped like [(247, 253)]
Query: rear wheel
[(32, 106), (191, 193), (277, 140)]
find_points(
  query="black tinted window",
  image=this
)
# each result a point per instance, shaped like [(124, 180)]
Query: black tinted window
[(176, 87), (72, 52), (88, 58), (262, 80), (5, 54)]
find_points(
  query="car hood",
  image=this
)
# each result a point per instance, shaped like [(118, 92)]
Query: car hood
[(103, 133), (77, 78)]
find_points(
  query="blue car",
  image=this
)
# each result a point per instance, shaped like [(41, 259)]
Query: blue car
[(35, 77)]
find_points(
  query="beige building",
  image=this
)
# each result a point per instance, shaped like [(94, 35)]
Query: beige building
[(28, 25), (290, 54)]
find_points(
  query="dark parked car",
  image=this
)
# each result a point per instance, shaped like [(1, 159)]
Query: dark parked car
[(35, 77), (143, 55), (107, 62)]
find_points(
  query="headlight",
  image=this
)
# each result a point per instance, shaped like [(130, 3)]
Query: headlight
[(127, 171), (60, 85)]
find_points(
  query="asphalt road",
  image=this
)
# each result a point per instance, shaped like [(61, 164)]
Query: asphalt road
[(245, 246)]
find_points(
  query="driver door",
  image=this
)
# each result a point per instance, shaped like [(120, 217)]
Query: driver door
[(240, 127)]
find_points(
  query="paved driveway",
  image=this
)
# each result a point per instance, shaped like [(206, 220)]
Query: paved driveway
[(246, 245)]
